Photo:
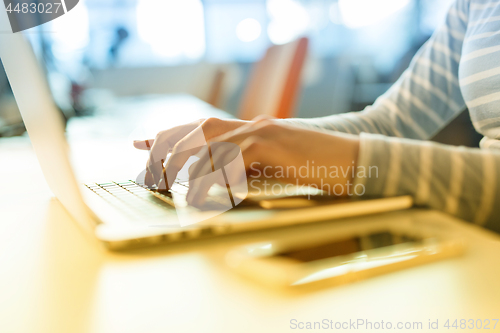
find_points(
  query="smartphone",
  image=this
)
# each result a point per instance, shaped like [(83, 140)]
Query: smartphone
[(344, 258)]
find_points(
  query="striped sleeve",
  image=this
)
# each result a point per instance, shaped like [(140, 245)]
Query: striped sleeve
[(426, 97), (460, 181)]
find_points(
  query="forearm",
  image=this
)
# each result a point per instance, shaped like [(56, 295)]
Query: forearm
[(374, 119), (353, 123)]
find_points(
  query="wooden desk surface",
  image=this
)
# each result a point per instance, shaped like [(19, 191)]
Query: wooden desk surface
[(54, 279)]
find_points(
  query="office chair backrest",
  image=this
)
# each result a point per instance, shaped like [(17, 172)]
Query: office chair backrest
[(274, 82)]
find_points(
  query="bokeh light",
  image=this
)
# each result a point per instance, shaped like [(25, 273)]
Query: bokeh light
[(288, 20), (248, 30), (360, 13), (173, 28)]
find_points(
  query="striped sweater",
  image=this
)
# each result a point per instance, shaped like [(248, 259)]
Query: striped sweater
[(459, 66)]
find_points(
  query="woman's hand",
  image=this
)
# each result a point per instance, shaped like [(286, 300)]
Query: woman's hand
[(178, 139), (267, 146)]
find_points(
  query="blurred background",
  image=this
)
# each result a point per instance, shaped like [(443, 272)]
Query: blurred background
[(104, 50)]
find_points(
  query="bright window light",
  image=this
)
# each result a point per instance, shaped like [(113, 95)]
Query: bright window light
[(71, 30), (334, 14), (248, 30), (289, 20), (361, 13), (173, 28)]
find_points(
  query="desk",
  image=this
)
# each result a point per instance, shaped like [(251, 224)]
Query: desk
[(54, 279)]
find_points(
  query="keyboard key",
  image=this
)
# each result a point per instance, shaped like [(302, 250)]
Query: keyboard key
[(107, 184)]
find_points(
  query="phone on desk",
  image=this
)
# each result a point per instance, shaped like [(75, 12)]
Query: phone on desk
[(344, 258)]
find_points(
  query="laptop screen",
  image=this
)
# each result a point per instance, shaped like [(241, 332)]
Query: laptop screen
[(59, 83)]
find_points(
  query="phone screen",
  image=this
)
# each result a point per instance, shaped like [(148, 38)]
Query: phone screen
[(349, 245)]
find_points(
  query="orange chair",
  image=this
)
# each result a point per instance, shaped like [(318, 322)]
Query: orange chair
[(274, 82)]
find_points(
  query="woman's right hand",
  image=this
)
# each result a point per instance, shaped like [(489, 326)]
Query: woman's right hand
[(183, 142)]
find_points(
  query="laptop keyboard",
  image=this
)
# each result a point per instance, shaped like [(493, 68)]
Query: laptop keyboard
[(135, 200), (140, 202)]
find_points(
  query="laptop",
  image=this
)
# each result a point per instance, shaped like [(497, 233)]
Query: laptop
[(122, 214)]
